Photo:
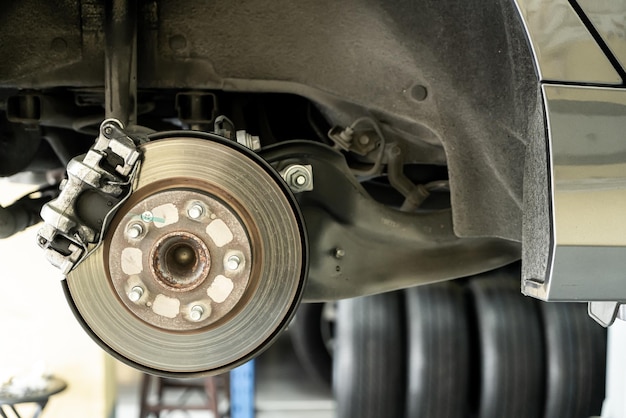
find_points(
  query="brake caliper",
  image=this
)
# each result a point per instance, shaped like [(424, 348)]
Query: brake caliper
[(96, 186)]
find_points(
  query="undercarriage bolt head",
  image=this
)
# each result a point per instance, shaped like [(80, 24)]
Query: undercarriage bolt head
[(135, 293), (298, 177), (196, 312), (195, 211), (339, 253), (233, 262), (134, 231)]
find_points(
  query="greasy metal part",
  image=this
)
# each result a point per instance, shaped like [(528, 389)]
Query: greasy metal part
[(361, 247), (414, 194), (249, 188), (583, 235), (248, 141), (485, 120), (22, 213), (607, 17), (223, 127), (120, 60), (97, 183), (298, 177), (24, 108), (359, 142), (177, 261), (197, 109), (564, 49)]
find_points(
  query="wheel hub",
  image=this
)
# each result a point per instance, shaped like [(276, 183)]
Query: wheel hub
[(202, 267), (183, 258)]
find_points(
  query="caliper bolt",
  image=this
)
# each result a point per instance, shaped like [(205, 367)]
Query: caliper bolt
[(196, 312), (233, 262), (134, 231), (135, 293), (195, 211)]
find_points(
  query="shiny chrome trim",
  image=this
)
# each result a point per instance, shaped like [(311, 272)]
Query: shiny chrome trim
[(609, 20), (564, 49), (587, 170)]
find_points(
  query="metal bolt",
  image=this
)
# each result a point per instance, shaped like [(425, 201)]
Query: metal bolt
[(247, 140), (298, 177), (364, 140), (108, 130), (196, 313), (134, 231), (339, 253), (233, 262), (135, 293), (346, 134), (195, 211), (147, 216)]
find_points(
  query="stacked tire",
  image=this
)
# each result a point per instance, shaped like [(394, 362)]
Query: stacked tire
[(468, 348)]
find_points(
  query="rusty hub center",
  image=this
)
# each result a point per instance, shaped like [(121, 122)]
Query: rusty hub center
[(180, 259)]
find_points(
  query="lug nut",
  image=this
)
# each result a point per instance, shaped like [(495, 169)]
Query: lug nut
[(135, 293), (233, 262), (134, 231), (195, 211), (196, 312)]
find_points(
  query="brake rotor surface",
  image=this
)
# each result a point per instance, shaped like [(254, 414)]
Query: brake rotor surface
[(202, 267)]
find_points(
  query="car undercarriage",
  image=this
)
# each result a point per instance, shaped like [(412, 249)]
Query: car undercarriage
[(251, 156)]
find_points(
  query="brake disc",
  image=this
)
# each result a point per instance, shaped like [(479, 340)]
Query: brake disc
[(202, 266)]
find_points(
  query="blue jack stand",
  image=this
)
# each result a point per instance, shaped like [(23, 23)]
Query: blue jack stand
[(242, 391)]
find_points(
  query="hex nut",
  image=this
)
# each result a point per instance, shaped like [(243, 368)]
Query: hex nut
[(298, 177)]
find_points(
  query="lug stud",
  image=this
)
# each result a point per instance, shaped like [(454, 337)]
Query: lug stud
[(196, 312), (135, 293), (134, 231), (195, 211), (233, 262)]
